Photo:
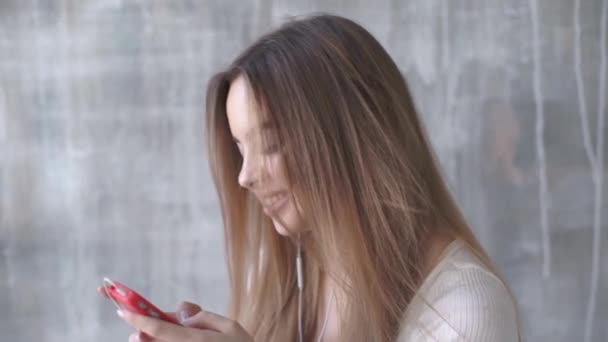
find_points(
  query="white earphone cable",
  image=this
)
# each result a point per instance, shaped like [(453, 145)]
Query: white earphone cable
[(300, 282)]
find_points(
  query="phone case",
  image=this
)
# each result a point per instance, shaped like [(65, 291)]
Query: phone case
[(134, 302)]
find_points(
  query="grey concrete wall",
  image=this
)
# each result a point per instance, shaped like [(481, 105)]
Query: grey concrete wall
[(103, 169)]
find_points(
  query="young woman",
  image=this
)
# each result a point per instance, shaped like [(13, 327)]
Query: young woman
[(338, 223)]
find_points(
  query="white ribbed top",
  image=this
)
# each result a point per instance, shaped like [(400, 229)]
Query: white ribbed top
[(465, 301)]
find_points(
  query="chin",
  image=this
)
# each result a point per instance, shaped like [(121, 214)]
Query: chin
[(281, 229), (288, 224)]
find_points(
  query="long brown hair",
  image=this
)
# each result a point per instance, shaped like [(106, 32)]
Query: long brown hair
[(362, 171)]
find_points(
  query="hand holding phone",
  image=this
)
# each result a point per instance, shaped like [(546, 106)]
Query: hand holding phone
[(199, 325), (127, 299)]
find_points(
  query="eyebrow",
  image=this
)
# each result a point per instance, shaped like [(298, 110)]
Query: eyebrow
[(263, 126)]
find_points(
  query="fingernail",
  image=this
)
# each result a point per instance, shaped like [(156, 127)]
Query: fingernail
[(121, 314), (143, 337), (182, 315)]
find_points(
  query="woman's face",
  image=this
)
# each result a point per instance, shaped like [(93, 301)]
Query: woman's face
[(263, 171)]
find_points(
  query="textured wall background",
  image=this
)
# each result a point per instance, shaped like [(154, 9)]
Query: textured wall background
[(103, 169)]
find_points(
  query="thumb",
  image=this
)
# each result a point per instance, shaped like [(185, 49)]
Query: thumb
[(211, 321), (186, 310)]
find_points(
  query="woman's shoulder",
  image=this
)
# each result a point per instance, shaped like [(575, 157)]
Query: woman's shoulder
[(461, 300)]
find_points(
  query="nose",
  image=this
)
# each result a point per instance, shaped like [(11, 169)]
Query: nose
[(248, 174)]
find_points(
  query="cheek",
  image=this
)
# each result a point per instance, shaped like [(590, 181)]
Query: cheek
[(291, 218), (293, 215), (278, 169)]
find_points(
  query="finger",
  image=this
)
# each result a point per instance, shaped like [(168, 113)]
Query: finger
[(212, 321), (102, 292), (134, 337), (186, 310), (143, 337), (155, 328)]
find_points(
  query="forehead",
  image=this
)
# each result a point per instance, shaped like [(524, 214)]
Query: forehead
[(242, 110), (242, 114)]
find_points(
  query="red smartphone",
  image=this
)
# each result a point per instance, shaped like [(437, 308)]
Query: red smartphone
[(132, 301)]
